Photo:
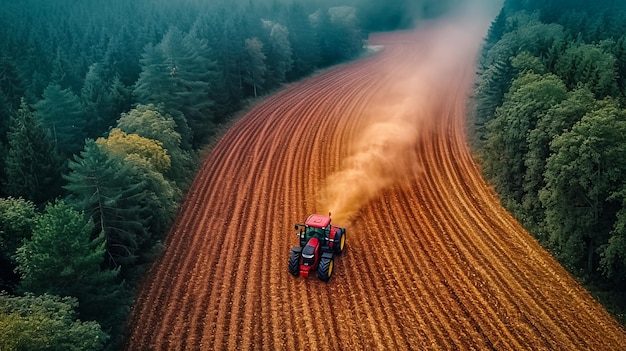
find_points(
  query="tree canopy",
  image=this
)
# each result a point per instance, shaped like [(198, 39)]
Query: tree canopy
[(550, 111)]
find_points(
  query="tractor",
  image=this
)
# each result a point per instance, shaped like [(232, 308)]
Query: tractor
[(319, 243)]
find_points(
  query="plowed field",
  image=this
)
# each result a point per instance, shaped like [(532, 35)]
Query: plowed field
[(433, 261)]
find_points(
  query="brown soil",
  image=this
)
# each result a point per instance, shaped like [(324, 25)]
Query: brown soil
[(433, 260)]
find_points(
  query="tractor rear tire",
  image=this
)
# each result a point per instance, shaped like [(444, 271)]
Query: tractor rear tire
[(294, 263), (340, 245), (325, 269)]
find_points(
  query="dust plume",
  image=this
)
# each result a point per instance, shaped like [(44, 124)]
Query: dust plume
[(430, 78)]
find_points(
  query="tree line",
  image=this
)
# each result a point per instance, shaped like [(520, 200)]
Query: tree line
[(103, 110), (550, 129)]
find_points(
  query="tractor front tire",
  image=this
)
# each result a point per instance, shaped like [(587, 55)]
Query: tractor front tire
[(325, 269), (294, 263)]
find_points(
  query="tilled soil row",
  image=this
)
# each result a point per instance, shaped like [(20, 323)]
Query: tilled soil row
[(433, 262)]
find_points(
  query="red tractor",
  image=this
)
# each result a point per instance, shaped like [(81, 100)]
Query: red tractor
[(319, 242)]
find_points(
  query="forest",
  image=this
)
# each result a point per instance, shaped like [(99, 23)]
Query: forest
[(105, 109), (549, 129)]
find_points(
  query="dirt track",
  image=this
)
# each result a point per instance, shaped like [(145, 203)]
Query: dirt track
[(433, 261)]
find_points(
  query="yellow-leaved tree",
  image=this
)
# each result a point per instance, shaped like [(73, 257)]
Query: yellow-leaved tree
[(133, 148)]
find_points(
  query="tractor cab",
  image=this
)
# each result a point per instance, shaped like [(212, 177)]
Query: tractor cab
[(317, 225)]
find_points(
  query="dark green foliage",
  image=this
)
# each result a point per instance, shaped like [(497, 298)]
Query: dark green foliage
[(105, 188), (613, 253), (339, 35), (179, 73), (103, 99), (583, 174), (559, 118), (589, 65), (304, 46), (620, 55), (61, 259), (226, 35), (17, 219), (531, 95), (3, 157), (554, 141), (33, 167), (128, 201), (46, 322), (61, 113), (168, 73), (11, 91)]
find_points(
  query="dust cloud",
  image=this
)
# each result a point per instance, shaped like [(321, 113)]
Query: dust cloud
[(435, 71)]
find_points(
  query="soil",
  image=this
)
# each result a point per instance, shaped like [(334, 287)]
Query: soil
[(433, 261)]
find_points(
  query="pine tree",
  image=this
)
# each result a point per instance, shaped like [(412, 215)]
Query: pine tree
[(95, 102), (303, 43), (156, 80), (225, 33), (33, 168), (11, 88), (105, 189), (62, 114), (193, 72)]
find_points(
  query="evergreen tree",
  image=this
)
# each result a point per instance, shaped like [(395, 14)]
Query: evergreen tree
[(106, 190), (620, 56), (118, 100), (32, 167), (3, 178), (193, 72), (339, 35), (303, 42), (156, 80), (62, 259), (96, 103), (63, 72), (148, 161), (225, 34), (179, 72), (10, 91), (62, 114)]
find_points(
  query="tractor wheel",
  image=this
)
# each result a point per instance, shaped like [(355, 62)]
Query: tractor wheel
[(339, 246), (294, 263), (325, 269)]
